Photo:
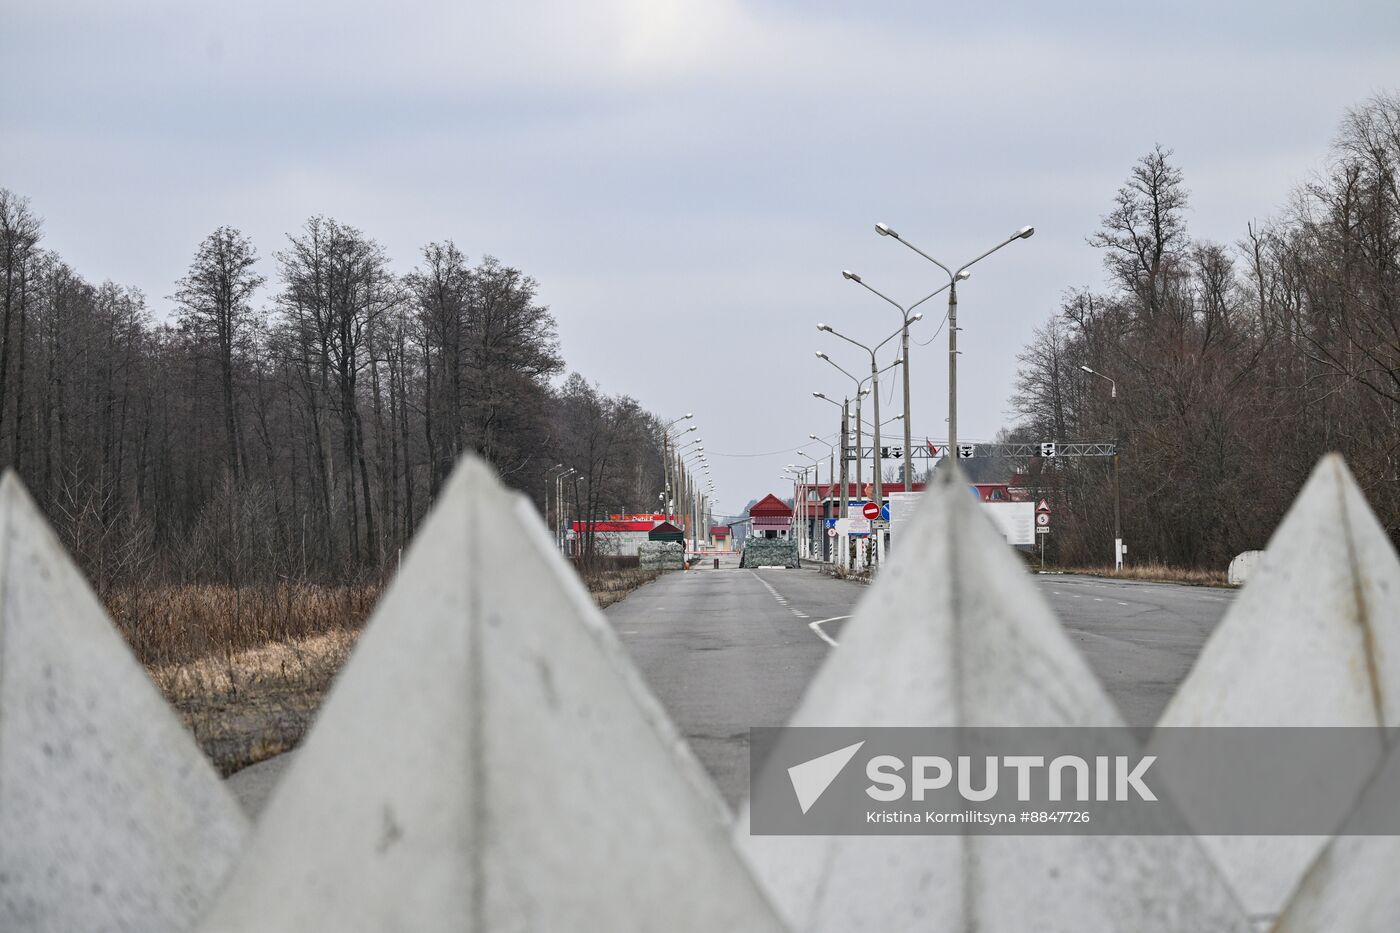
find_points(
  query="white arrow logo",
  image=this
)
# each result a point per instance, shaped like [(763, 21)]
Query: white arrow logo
[(811, 778)]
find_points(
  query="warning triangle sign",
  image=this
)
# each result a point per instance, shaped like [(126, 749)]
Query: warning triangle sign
[(1044, 506)]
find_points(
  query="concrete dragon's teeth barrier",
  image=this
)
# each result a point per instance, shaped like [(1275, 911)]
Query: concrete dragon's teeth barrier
[(1312, 640), (490, 760), (953, 633), (110, 816)]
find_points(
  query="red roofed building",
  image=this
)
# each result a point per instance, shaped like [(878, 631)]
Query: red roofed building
[(770, 517), (720, 536), (613, 538)]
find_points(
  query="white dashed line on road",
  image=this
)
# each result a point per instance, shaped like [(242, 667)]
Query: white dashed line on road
[(783, 601)]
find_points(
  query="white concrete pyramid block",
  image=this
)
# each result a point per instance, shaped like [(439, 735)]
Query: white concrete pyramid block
[(1312, 640), (110, 816), (1351, 888), (490, 760), (953, 633)]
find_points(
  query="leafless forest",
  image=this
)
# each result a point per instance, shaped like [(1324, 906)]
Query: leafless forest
[(1237, 365), (293, 426)]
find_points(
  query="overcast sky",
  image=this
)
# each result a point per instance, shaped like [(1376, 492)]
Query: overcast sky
[(685, 178)]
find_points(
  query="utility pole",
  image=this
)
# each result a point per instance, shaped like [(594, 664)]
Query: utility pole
[(953, 277), (1117, 487), (844, 541)]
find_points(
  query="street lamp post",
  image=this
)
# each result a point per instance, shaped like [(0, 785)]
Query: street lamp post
[(690, 460), (667, 450), (1117, 521), (953, 278), (845, 406), (561, 534), (807, 512), (830, 475), (874, 377), (907, 319), (559, 525), (549, 518), (861, 392)]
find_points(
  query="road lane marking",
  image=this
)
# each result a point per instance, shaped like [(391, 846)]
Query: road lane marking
[(816, 628), (782, 600)]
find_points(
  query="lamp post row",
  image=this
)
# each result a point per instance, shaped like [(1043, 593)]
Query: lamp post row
[(906, 319), (679, 488)]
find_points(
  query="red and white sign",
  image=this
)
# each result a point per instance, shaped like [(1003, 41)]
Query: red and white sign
[(1042, 519), (870, 510), (1044, 506)]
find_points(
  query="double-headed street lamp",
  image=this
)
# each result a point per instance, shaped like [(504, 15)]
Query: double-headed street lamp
[(830, 469), (1117, 526), (907, 319), (875, 389), (806, 511), (953, 277), (845, 406), (799, 502)]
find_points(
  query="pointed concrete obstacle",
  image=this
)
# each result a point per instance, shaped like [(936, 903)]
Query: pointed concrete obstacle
[(490, 760), (1352, 886), (110, 816), (953, 633), (1312, 640)]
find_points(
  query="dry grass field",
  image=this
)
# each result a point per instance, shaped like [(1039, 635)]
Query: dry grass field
[(247, 667), (1154, 573)]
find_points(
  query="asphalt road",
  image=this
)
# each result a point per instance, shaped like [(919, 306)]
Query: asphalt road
[(728, 649)]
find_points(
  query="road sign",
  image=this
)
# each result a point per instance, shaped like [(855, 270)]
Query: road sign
[(831, 523), (1044, 506), (870, 510), (1042, 519), (831, 531), (965, 451), (1042, 530), (1047, 449)]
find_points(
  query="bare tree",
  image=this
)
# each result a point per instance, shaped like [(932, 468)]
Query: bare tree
[(215, 299)]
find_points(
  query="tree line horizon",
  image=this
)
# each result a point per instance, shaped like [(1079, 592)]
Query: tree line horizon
[(298, 438), (1237, 366), (305, 437)]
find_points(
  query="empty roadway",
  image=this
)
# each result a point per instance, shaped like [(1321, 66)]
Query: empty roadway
[(729, 649)]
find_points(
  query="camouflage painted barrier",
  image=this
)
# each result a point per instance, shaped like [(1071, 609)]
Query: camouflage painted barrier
[(769, 552)]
